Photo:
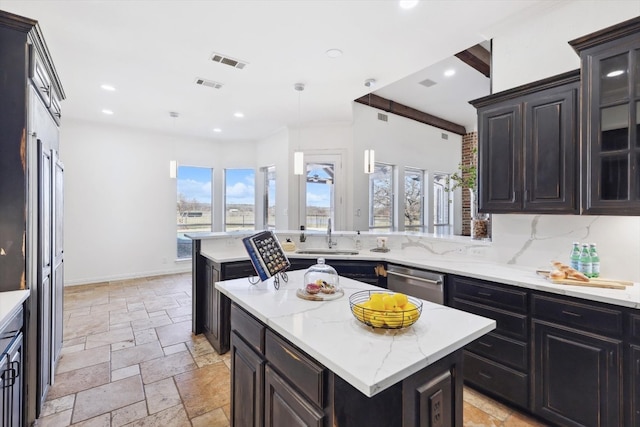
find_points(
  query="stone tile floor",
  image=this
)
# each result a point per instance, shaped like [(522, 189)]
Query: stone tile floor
[(129, 359)]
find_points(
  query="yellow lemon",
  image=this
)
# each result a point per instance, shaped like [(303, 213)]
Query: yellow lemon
[(401, 299), (389, 302), (377, 321), (393, 319), (376, 304), (376, 297)]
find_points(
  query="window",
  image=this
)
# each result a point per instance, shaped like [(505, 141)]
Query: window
[(381, 197), (414, 200), (269, 219), (239, 199), (441, 204), (194, 205), (319, 194)]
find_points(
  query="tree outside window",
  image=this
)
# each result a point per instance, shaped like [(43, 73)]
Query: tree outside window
[(414, 199), (381, 197)]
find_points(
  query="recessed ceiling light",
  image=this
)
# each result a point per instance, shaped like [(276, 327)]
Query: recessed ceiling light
[(450, 72), (408, 4), (238, 114), (615, 73), (107, 112), (108, 88), (334, 53), (217, 130)]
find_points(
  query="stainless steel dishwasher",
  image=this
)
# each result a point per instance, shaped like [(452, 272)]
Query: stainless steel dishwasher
[(423, 284)]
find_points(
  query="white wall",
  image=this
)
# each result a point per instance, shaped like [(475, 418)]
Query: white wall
[(402, 142), (120, 202), (533, 50)]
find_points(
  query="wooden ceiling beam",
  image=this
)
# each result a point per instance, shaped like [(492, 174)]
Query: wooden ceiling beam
[(390, 106), (478, 58)]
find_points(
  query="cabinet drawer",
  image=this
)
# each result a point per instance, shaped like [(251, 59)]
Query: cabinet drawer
[(634, 327), (501, 349), (10, 330), (582, 316), (248, 327), (497, 379), (509, 324), (236, 270), (493, 296), (304, 373)]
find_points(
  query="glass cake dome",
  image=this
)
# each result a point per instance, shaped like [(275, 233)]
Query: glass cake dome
[(321, 278)]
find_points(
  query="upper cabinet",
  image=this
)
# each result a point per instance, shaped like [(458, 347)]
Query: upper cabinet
[(610, 61), (528, 147)]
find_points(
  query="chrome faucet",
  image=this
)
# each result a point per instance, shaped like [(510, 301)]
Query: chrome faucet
[(330, 242)]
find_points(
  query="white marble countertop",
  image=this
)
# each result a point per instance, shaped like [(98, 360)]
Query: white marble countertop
[(9, 302), (520, 276), (369, 359)]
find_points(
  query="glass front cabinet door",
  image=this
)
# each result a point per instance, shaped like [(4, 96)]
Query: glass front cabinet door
[(611, 119)]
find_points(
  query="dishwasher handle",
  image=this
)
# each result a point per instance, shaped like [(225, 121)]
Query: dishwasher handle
[(438, 282)]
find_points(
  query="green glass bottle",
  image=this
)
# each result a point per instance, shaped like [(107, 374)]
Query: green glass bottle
[(585, 261), (595, 261), (574, 258)]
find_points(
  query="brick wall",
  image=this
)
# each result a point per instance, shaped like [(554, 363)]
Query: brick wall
[(469, 144)]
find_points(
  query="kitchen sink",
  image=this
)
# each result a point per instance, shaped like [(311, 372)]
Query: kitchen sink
[(321, 251)]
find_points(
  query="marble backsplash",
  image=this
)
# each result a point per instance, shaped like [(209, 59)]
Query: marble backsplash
[(524, 240)]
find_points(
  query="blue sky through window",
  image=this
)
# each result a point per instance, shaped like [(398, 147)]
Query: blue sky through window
[(195, 183), (240, 186)]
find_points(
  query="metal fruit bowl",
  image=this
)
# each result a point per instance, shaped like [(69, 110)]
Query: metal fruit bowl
[(384, 319)]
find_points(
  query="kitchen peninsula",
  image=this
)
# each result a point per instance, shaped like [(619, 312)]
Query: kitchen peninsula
[(313, 361)]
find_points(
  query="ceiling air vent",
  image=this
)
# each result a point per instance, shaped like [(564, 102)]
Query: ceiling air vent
[(427, 83), (208, 83), (383, 117), (444, 135), (222, 59)]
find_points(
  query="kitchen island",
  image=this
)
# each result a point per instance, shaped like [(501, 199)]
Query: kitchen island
[(315, 363)]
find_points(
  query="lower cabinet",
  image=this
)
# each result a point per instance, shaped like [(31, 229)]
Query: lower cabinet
[(577, 376), (275, 384), (632, 389), (12, 372)]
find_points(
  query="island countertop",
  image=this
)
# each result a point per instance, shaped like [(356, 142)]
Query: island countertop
[(371, 360)]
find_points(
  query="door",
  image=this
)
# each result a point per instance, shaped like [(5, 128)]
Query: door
[(45, 263), (284, 406), (500, 156), (322, 192), (57, 246), (577, 376), (551, 151)]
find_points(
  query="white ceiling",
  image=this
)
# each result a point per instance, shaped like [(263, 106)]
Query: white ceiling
[(152, 52)]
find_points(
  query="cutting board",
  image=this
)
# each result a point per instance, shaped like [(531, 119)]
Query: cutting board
[(592, 283)]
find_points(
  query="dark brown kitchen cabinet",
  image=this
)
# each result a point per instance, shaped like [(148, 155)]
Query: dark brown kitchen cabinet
[(577, 362), (578, 376), (31, 192), (632, 386), (528, 147), (610, 64), (498, 362)]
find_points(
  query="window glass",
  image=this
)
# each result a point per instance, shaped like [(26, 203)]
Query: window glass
[(614, 78), (414, 200), (239, 199), (320, 188), (270, 197), (194, 205), (441, 204), (381, 197)]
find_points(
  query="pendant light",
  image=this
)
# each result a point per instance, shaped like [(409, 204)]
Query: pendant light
[(173, 164), (298, 155), (369, 155)]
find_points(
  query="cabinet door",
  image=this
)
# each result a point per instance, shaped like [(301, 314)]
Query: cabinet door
[(550, 151), (499, 161), (611, 117), (15, 391), (633, 388), (247, 385), (284, 406), (577, 377), (5, 408)]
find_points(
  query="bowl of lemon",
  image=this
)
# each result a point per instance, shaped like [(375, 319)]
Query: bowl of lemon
[(385, 309)]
